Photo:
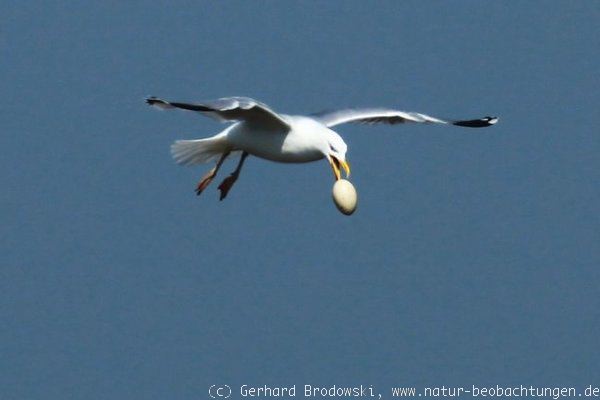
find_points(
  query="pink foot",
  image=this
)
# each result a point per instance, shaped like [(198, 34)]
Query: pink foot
[(226, 185), (205, 181)]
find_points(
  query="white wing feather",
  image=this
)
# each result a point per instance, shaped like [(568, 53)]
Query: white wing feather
[(387, 116), (229, 109)]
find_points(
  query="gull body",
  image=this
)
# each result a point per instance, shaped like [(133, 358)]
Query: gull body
[(306, 140), (259, 131)]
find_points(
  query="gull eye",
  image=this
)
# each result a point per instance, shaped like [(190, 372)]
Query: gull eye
[(332, 148)]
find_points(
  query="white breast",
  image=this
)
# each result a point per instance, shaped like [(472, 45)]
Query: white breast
[(303, 143)]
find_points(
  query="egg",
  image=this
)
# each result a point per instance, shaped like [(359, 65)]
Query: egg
[(344, 196)]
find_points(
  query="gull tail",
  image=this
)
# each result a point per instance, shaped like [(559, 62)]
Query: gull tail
[(199, 151)]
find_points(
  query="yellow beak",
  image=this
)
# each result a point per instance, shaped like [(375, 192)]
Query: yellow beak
[(335, 165), (346, 167)]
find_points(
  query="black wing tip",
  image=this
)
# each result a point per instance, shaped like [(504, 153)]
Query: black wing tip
[(158, 103), (477, 123), (151, 100)]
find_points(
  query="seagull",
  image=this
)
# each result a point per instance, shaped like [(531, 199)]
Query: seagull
[(255, 129)]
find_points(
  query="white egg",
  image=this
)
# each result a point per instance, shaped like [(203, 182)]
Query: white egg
[(344, 196)]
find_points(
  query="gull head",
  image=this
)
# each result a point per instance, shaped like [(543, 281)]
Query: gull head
[(336, 154)]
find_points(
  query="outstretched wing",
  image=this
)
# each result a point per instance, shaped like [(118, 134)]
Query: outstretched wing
[(229, 109), (386, 116)]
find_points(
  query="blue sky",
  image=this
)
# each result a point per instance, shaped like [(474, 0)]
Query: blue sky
[(472, 258)]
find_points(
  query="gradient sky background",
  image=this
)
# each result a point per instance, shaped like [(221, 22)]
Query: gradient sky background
[(473, 257)]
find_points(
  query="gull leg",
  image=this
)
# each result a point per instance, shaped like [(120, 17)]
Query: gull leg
[(207, 179), (228, 182)]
